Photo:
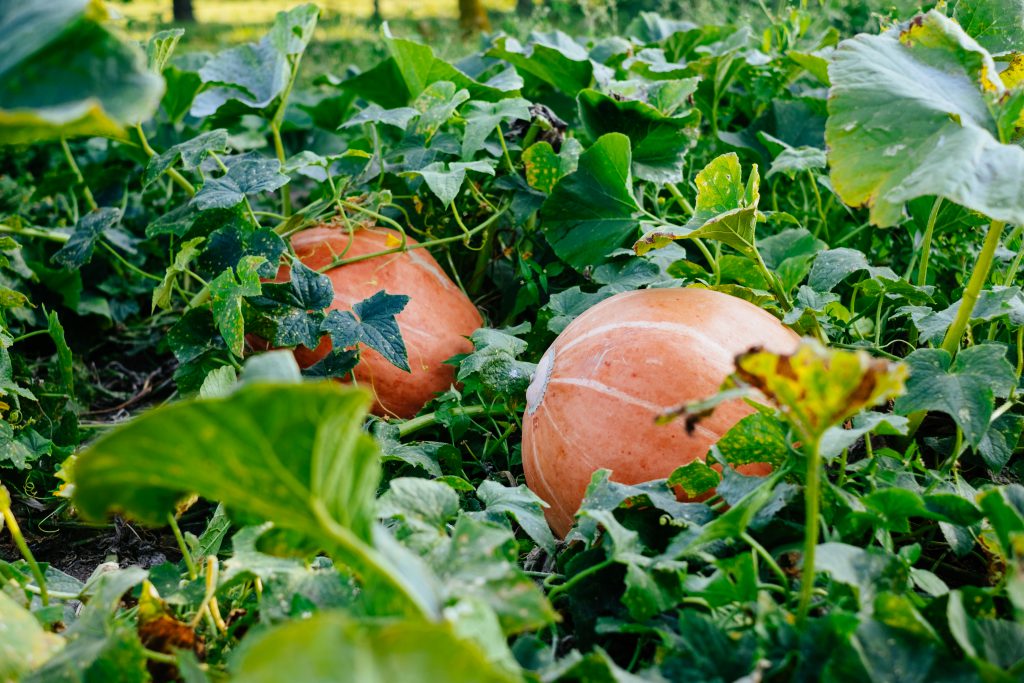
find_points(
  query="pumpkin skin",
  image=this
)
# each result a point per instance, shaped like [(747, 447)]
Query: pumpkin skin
[(593, 401), (434, 324)]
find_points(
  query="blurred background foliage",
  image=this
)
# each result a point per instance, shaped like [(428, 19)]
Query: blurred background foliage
[(348, 31)]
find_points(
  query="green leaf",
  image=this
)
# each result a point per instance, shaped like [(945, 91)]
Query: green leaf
[(25, 645), (838, 438), (8, 387), (293, 29), (64, 361), (756, 438), (913, 113), (964, 388), (113, 656), (374, 325), (245, 176), (605, 495), (162, 292), (228, 245), (160, 47), (400, 117), (493, 365), (411, 68), (592, 211), (479, 563), (726, 210), (832, 266), (293, 453), (410, 651), (77, 251), (991, 304), (445, 179), (436, 104), (997, 24), (521, 504), (305, 289), (553, 58), (226, 294), (483, 117), (695, 478), (191, 153), (544, 168), (658, 121), (64, 74), (1000, 441), (791, 160), (253, 74)]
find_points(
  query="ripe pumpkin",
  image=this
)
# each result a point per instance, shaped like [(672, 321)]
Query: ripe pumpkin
[(435, 323), (593, 401)]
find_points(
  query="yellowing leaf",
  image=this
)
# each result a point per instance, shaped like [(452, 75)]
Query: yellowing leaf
[(817, 388)]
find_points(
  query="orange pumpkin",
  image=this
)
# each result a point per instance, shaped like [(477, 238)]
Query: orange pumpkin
[(609, 374), (435, 323)]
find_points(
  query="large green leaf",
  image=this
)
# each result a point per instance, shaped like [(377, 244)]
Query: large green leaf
[(62, 73), (592, 211), (553, 58), (335, 648), (657, 119), (915, 113), (997, 24), (24, 645), (291, 453)]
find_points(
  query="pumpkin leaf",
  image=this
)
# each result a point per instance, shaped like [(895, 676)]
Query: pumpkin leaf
[(371, 322), (914, 113), (411, 651), (965, 388), (592, 211), (320, 481), (818, 388), (726, 209), (64, 74)]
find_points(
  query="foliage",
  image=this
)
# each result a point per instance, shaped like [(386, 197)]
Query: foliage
[(147, 198)]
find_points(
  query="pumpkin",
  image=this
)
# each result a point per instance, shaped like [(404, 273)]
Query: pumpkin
[(597, 391), (435, 323)]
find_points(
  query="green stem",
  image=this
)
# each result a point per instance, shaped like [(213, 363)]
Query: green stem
[(173, 174), (773, 281), (1011, 274), (812, 499), (483, 257), (275, 129), (86, 192), (128, 264), (408, 247), (35, 232), (926, 244), (680, 199), (38, 333), (951, 342), (712, 261), (190, 564), (766, 556), (504, 151), (19, 541), (364, 557), (593, 569), (423, 421), (817, 201)]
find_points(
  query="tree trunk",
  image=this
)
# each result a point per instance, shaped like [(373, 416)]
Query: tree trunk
[(183, 11), (524, 8), (473, 16), (377, 16)]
